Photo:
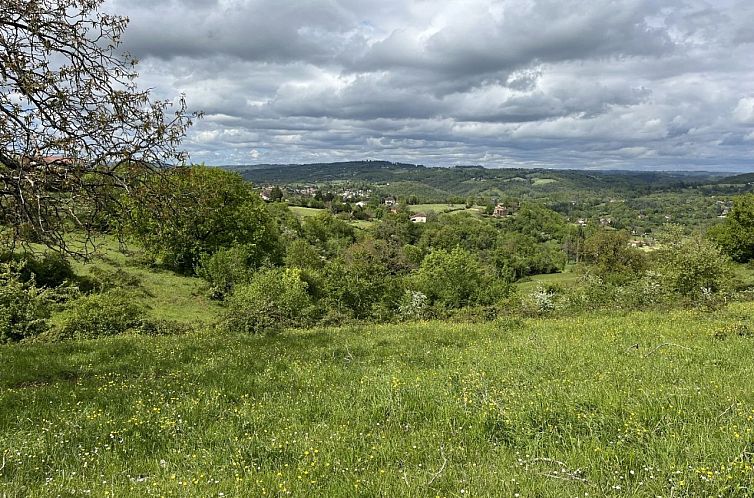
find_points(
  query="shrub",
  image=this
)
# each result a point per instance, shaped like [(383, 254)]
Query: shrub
[(538, 302), (96, 315), (274, 299), (456, 279), (413, 306), (696, 268), (363, 281), (50, 270), (23, 306), (226, 269)]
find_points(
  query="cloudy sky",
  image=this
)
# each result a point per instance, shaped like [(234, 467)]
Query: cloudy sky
[(583, 84)]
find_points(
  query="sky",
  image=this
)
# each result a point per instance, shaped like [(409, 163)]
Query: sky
[(597, 84)]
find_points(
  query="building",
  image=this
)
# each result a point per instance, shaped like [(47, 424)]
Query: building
[(500, 211)]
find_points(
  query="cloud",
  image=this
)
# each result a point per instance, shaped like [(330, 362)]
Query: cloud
[(576, 83)]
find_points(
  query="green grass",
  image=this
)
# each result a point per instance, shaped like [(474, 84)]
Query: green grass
[(305, 211), (543, 181), (641, 404), (165, 294), (744, 275), (436, 208), (363, 224), (565, 278)]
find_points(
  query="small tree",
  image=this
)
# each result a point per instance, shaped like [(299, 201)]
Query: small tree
[(610, 256), (200, 210), (23, 306), (695, 268), (274, 299), (455, 279), (736, 234), (74, 128)]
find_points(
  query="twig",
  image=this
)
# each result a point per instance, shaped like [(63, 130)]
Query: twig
[(442, 467), (664, 344), (727, 410), (565, 473), (632, 346)]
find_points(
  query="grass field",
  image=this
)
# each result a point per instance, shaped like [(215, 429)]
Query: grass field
[(305, 211), (641, 404), (565, 278), (436, 208)]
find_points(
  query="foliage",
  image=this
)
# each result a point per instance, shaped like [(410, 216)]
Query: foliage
[(301, 254), (539, 222), (50, 270), (459, 230), (227, 268), (413, 306), (200, 210), (97, 315), (327, 233), (611, 258), (695, 268), (362, 282), (517, 255), (456, 279), (273, 300), (75, 129), (736, 234), (24, 307)]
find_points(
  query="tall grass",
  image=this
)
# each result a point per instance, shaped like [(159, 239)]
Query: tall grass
[(643, 404)]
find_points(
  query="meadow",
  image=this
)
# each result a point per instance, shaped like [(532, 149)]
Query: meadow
[(638, 404)]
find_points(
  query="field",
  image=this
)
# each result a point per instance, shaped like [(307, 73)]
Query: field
[(305, 211), (640, 404), (436, 208), (565, 278)]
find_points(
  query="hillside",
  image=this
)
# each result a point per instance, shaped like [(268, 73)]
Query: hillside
[(474, 180), (642, 404)]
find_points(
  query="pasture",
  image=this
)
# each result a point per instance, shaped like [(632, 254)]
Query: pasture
[(638, 404)]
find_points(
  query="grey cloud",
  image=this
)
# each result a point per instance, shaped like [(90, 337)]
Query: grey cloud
[(624, 83)]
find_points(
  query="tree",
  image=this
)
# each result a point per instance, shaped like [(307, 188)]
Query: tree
[(610, 256), (74, 127), (275, 298), (199, 210), (736, 234), (695, 266), (455, 279)]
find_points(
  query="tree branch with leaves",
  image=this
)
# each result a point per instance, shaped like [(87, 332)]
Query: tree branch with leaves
[(75, 130)]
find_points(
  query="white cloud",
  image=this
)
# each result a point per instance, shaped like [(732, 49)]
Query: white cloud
[(501, 82), (744, 111)]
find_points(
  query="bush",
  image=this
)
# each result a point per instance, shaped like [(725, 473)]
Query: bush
[(696, 269), (51, 270), (23, 306), (275, 299), (456, 279), (226, 269), (96, 315), (413, 306)]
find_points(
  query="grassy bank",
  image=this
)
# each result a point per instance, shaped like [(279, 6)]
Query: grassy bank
[(642, 404)]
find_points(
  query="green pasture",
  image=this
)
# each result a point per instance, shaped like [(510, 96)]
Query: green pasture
[(636, 404)]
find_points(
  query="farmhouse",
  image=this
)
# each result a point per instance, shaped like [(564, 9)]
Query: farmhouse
[(500, 211)]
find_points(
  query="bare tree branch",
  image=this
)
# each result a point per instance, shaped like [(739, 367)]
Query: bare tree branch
[(75, 130)]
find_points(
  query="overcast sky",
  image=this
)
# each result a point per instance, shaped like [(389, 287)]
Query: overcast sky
[(586, 84)]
